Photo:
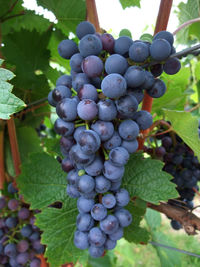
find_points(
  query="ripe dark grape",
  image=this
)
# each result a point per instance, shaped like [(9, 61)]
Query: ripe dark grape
[(67, 48), (116, 64), (157, 90), (106, 110), (87, 109), (88, 91), (90, 44), (172, 66), (108, 42), (139, 51), (135, 76), (92, 66), (160, 49), (84, 28), (122, 45), (114, 85)]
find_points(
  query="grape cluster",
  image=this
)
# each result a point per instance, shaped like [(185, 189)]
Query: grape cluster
[(183, 165), (99, 123), (19, 237)]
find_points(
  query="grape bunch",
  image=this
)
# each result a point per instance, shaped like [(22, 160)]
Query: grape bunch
[(19, 237), (99, 123), (183, 165)]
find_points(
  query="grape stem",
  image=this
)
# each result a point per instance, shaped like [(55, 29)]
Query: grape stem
[(73, 91), (80, 124), (105, 153), (193, 108), (185, 24)]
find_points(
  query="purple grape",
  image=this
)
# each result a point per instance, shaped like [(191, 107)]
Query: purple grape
[(35, 262), (107, 110), (61, 92), (98, 212), (22, 258), (92, 66), (122, 45), (88, 91), (160, 49), (95, 168), (130, 146), (81, 240), (109, 201), (128, 130), (102, 184), (89, 141), (67, 48), (139, 51), (96, 237), (66, 109), (109, 225), (90, 44), (112, 172), (116, 64), (119, 156), (65, 80), (114, 85), (63, 128), (84, 28), (108, 42), (23, 213), (84, 222), (87, 109), (85, 184), (2, 202), (104, 129), (85, 205), (75, 62), (22, 246)]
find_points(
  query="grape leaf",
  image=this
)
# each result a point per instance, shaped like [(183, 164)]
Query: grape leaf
[(58, 226), (168, 257), (134, 233), (9, 103), (125, 32), (29, 21), (186, 126), (187, 11), (42, 182), (10, 7), (28, 142), (68, 13), (176, 95), (153, 219), (145, 179), (129, 3)]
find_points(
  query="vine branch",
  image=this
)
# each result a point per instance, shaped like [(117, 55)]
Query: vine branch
[(161, 24), (189, 221), (185, 24), (14, 145), (10, 9), (92, 15), (2, 168)]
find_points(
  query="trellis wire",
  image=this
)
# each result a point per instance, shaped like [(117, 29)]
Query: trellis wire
[(175, 249)]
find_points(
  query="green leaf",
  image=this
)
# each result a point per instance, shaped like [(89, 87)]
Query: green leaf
[(29, 21), (105, 261), (153, 219), (129, 3), (168, 257), (53, 146), (145, 179), (125, 32), (7, 6), (9, 103), (28, 142), (146, 37), (175, 96), (186, 126), (187, 11), (6, 75), (68, 13), (42, 182), (58, 226), (134, 233)]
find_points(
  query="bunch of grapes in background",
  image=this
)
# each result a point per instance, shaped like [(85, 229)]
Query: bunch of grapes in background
[(182, 164), (19, 237), (99, 122)]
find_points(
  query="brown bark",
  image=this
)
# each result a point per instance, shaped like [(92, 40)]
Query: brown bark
[(189, 221)]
